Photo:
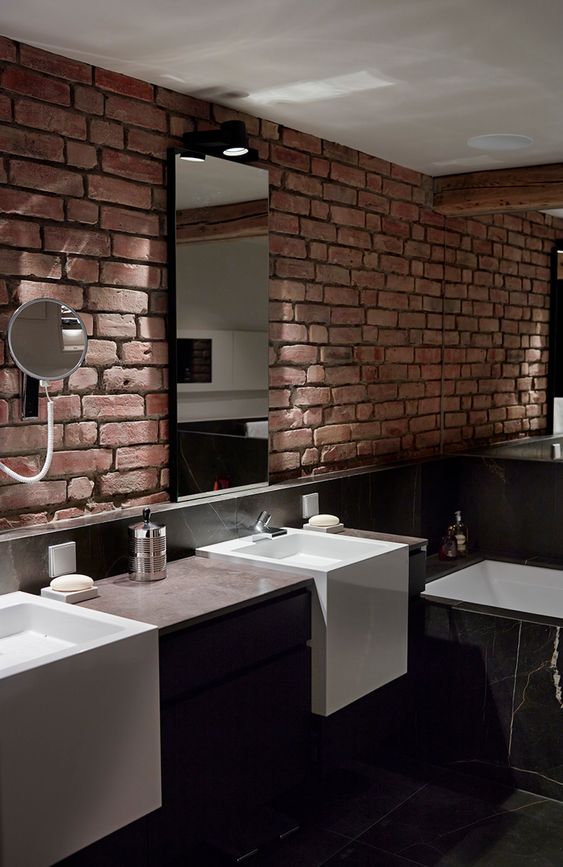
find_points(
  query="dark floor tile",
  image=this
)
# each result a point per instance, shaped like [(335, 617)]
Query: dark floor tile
[(358, 855), (350, 800), (308, 847), (449, 826)]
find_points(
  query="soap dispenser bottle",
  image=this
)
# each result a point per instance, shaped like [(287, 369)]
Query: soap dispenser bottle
[(460, 531), (448, 545)]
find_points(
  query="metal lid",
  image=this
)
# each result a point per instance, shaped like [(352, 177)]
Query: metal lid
[(147, 528)]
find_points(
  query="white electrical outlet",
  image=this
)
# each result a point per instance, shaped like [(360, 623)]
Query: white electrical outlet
[(310, 505), (62, 559)]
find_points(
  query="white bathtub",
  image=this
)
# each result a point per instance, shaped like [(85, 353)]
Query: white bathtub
[(529, 589)]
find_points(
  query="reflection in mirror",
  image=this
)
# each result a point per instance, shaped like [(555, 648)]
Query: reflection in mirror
[(47, 340), (221, 281)]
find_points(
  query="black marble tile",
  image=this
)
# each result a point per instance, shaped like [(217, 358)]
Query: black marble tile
[(536, 733), (308, 847), (349, 800), (509, 506), (357, 507), (459, 821), (439, 499), (359, 855), (396, 499)]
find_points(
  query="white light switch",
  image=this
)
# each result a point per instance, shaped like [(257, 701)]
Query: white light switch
[(310, 505), (62, 559)]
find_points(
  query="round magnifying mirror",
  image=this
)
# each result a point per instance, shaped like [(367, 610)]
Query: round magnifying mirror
[(47, 339)]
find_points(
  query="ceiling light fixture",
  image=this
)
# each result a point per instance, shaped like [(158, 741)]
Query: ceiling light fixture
[(230, 141), (500, 142)]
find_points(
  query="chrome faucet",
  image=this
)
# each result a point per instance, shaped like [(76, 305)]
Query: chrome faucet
[(263, 529)]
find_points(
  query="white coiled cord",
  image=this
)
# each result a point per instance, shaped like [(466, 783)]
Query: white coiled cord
[(48, 457)]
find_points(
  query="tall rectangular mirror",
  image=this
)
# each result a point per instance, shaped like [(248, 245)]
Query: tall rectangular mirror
[(219, 266)]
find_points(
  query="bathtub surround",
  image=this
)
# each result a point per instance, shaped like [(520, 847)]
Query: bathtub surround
[(491, 703), (395, 331)]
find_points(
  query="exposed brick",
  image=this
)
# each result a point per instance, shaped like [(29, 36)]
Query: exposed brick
[(55, 64), (28, 143), (19, 233), (5, 107), (81, 461), (384, 314), (81, 155), (20, 497), (48, 117), (125, 274), (27, 290), (128, 433), (105, 132), (116, 325), (19, 262), (137, 113), (141, 456), (128, 166), (124, 84), (51, 179), (128, 482), (84, 270), (123, 220), (139, 352), (87, 242), (110, 299), (82, 211), (112, 406), (89, 100), (116, 190), (7, 49), (142, 249), (29, 83)]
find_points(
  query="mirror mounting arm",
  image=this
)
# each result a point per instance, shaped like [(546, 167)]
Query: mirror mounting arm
[(30, 397), (50, 442)]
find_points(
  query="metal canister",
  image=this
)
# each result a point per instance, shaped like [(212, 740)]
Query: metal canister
[(147, 550)]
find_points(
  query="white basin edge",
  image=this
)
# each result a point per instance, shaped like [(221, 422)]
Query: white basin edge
[(231, 549), (124, 628)]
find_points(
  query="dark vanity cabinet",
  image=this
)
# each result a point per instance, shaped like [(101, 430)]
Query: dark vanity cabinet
[(235, 725), (235, 695)]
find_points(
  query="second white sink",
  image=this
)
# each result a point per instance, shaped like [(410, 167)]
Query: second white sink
[(360, 609)]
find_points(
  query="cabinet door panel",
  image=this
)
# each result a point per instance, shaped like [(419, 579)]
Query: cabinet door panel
[(196, 657), (231, 748)]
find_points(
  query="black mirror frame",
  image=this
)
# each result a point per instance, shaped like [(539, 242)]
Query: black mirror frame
[(555, 359)]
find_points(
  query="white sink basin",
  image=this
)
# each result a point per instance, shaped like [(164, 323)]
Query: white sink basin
[(360, 609), (79, 705)]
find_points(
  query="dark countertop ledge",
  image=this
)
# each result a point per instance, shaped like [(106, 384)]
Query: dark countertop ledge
[(198, 589), (195, 589)]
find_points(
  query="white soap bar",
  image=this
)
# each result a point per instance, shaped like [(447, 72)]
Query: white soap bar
[(324, 520), (70, 583)]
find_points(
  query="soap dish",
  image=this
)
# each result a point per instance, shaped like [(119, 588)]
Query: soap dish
[(71, 596), (336, 528)]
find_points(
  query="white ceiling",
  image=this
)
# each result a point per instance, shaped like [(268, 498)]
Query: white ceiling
[(407, 80)]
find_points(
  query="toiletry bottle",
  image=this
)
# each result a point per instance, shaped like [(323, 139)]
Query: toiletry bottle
[(448, 545), (460, 531)]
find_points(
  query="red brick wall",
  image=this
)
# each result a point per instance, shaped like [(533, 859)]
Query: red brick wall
[(393, 331)]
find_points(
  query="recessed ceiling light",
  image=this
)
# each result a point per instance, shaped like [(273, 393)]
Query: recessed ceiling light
[(500, 142)]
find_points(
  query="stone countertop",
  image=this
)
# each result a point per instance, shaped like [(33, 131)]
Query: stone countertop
[(195, 589), (198, 588), (412, 541)]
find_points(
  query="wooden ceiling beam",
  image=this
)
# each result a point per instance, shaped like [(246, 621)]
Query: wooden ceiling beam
[(526, 188), (219, 222)]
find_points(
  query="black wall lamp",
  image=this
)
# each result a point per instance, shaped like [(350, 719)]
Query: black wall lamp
[(229, 141)]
